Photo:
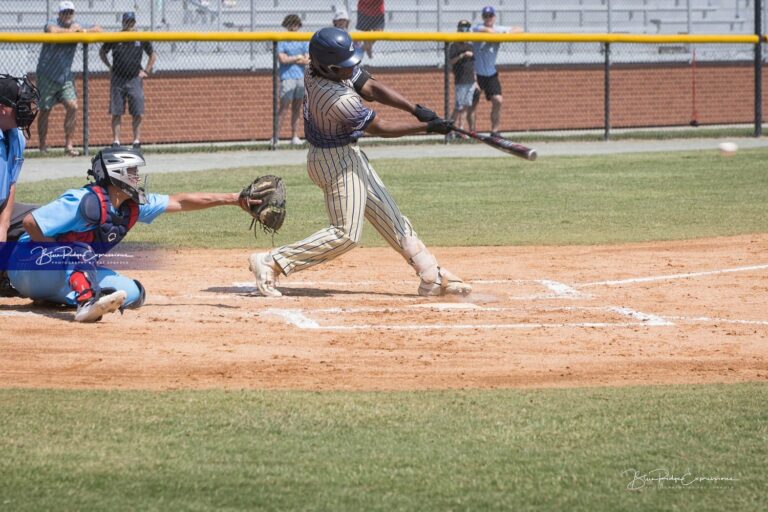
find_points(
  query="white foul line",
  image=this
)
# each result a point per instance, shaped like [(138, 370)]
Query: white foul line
[(673, 276), (698, 319), (294, 317), (562, 290), (646, 318), (476, 327)]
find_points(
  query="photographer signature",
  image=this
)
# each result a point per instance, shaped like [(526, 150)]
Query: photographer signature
[(47, 256), (661, 476)]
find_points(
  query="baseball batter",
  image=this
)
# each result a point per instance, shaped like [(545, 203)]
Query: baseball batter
[(334, 118)]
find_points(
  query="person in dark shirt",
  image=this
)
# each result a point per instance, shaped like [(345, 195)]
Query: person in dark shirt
[(466, 92), (127, 81)]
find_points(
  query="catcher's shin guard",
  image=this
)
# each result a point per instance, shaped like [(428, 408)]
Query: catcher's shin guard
[(135, 304)]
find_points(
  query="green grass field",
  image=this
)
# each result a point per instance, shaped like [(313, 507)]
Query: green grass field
[(498, 201), (574, 449), (569, 449)]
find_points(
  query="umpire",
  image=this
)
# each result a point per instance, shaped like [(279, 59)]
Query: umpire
[(127, 79)]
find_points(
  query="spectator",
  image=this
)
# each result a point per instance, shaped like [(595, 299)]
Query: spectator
[(485, 64), (127, 81), (341, 20), (55, 79), (18, 108), (370, 17), (466, 91), (293, 56)]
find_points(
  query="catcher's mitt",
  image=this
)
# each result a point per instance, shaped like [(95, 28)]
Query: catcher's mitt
[(270, 213)]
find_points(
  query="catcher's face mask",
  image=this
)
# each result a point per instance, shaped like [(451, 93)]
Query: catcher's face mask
[(21, 95), (119, 167), (129, 181)]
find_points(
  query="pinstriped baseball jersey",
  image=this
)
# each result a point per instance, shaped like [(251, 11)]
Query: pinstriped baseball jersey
[(334, 114), (334, 117)]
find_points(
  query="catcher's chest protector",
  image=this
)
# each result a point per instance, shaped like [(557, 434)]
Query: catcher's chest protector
[(110, 228)]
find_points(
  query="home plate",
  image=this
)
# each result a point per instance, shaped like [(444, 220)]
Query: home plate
[(448, 305)]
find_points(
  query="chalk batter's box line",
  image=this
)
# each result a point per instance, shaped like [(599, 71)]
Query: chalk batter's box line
[(558, 289), (299, 318)]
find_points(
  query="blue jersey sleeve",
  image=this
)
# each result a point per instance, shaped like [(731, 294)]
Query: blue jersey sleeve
[(62, 215), (12, 143), (155, 206), (16, 157)]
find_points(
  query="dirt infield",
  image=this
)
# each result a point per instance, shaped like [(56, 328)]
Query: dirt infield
[(652, 313)]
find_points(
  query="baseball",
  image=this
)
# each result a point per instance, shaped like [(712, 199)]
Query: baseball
[(727, 148)]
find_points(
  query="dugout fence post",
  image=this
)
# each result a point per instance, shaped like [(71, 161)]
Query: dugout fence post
[(85, 99), (607, 91), (759, 68), (446, 87), (273, 142)]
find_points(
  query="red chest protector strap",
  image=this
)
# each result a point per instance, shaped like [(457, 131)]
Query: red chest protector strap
[(110, 228)]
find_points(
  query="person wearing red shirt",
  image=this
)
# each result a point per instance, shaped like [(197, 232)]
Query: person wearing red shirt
[(370, 17)]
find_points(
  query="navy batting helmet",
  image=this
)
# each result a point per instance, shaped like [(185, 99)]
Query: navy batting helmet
[(332, 46)]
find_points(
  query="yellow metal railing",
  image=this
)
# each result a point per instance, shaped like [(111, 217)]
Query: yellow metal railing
[(523, 37)]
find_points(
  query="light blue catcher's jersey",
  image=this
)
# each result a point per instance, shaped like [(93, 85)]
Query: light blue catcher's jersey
[(63, 214)]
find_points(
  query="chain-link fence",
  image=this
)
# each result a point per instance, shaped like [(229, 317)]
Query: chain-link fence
[(210, 91), (632, 16)]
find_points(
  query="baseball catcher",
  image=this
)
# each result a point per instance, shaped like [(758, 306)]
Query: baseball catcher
[(85, 223), (264, 199)]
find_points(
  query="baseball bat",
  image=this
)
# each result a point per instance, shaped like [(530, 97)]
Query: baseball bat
[(502, 144)]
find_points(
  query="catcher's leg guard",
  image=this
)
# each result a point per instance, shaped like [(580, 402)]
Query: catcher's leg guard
[(134, 300), (434, 280)]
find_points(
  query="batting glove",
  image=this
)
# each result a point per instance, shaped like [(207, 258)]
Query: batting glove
[(424, 115), (440, 125)]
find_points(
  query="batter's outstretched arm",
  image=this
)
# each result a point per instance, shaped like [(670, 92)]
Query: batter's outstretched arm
[(381, 128), (373, 90), (187, 202)]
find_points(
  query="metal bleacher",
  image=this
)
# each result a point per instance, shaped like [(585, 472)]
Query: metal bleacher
[(637, 16), (622, 16)]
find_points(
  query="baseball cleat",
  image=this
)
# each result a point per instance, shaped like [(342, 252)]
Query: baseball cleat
[(448, 284), (265, 274), (93, 309)]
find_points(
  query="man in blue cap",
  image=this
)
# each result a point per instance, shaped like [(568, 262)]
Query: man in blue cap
[(485, 64)]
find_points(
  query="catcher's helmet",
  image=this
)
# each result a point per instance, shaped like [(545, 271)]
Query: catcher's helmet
[(119, 167), (332, 47), (21, 95)]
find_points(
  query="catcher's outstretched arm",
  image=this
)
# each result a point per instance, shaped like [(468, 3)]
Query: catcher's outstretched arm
[(186, 202)]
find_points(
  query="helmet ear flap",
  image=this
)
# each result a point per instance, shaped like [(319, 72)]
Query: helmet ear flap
[(98, 170), (324, 71)]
